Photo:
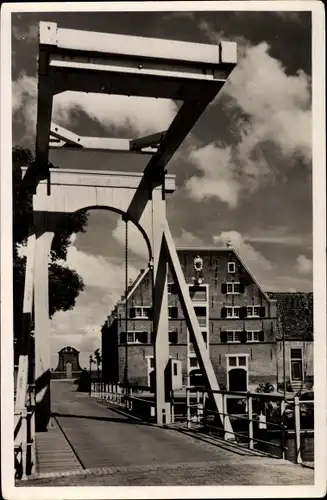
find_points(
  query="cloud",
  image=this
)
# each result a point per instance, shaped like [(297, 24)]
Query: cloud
[(136, 242), (137, 115), (270, 116), (255, 260), (187, 239), (303, 264), (278, 236)]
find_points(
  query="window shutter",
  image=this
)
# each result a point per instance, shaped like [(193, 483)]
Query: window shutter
[(123, 338), (152, 337), (243, 312), (174, 312), (173, 337), (132, 312), (149, 312), (242, 288), (144, 337), (262, 312), (261, 336), (223, 337), (223, 288), (243, 337), (224, 312)]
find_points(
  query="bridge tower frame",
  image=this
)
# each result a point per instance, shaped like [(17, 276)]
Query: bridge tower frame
[(124, 65)]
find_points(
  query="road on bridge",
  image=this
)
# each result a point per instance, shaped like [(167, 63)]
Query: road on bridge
[(115, 449)]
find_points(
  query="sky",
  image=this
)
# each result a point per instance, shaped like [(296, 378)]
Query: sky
[(243, 174)]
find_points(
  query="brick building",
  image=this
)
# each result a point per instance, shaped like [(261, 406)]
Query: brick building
[(68, 364), (295, 322), (237, 318)]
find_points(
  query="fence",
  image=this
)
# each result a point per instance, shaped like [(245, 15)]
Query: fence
[(24, 440), (124, 397), (262, 421)]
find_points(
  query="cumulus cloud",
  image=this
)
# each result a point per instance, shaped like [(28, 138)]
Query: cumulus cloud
[(136, 242), (303, 264), (254, 259), (187, 239), (137, 115), (268, 109)]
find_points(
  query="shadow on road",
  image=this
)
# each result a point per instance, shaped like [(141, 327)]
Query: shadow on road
[(122, 420)]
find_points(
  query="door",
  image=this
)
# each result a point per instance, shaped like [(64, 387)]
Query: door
[(69, 370), (296, 370), (237, 379)]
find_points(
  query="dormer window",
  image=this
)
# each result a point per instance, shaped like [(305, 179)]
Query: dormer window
[(231, 267)]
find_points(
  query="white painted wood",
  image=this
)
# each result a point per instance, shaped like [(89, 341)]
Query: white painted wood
[(160, 307), (41, 319), (22, 377), (193, 326), (67, 139), (137, 46)]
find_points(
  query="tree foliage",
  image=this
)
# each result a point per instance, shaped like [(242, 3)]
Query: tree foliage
[(64, 283)]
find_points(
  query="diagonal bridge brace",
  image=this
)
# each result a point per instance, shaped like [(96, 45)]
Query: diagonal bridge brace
[(82, 61)]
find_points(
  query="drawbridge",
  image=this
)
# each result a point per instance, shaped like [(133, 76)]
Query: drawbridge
[(191, 74)]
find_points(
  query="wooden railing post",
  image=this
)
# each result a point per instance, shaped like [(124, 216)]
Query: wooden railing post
[(188, 408), (297, 418), (224, 405), (250, 417)]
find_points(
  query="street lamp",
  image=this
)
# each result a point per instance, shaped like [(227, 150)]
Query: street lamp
[(91, 360)]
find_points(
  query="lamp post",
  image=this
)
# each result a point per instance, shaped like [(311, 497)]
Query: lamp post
[(90, 370)]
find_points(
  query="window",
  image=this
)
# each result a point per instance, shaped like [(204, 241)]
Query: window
[(175, 369), (204, 335), (172, 312), (236, 361), (151, 362), (201, 314), (255, 312), (230, 312), (234, 336), (255, 336), (233, 288), (241, 361), (193, 363), (232, 361), (173, 337), (198, 293), (296, 365), (231, 267), (134, 337), (140, 312)]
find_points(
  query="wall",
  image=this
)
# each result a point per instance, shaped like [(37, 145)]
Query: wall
[(307, 356)]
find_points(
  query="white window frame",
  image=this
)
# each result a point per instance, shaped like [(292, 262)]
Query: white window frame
[(232, 309), (134, 332), (296, 359), (229, 265), (232, 283), (142, 309), (243, 367), (233, 332), (252, 335), (252, 315)]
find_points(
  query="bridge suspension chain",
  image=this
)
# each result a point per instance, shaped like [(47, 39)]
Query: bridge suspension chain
[(126, 304)]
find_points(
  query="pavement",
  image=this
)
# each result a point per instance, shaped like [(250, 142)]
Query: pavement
[(113, 449)]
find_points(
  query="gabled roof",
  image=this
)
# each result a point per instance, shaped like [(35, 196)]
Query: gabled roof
[(227, 249), (294, 314)]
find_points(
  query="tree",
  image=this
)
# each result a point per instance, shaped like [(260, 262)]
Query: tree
[(98, 359), (64, 283)]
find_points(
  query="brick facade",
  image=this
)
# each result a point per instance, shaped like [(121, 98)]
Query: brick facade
[(220, 266)]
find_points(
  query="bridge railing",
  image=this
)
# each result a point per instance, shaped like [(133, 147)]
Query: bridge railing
[(24, 440), (125, 397), (254, 416)]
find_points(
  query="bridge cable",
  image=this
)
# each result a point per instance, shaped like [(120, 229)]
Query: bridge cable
[(126, 305)]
